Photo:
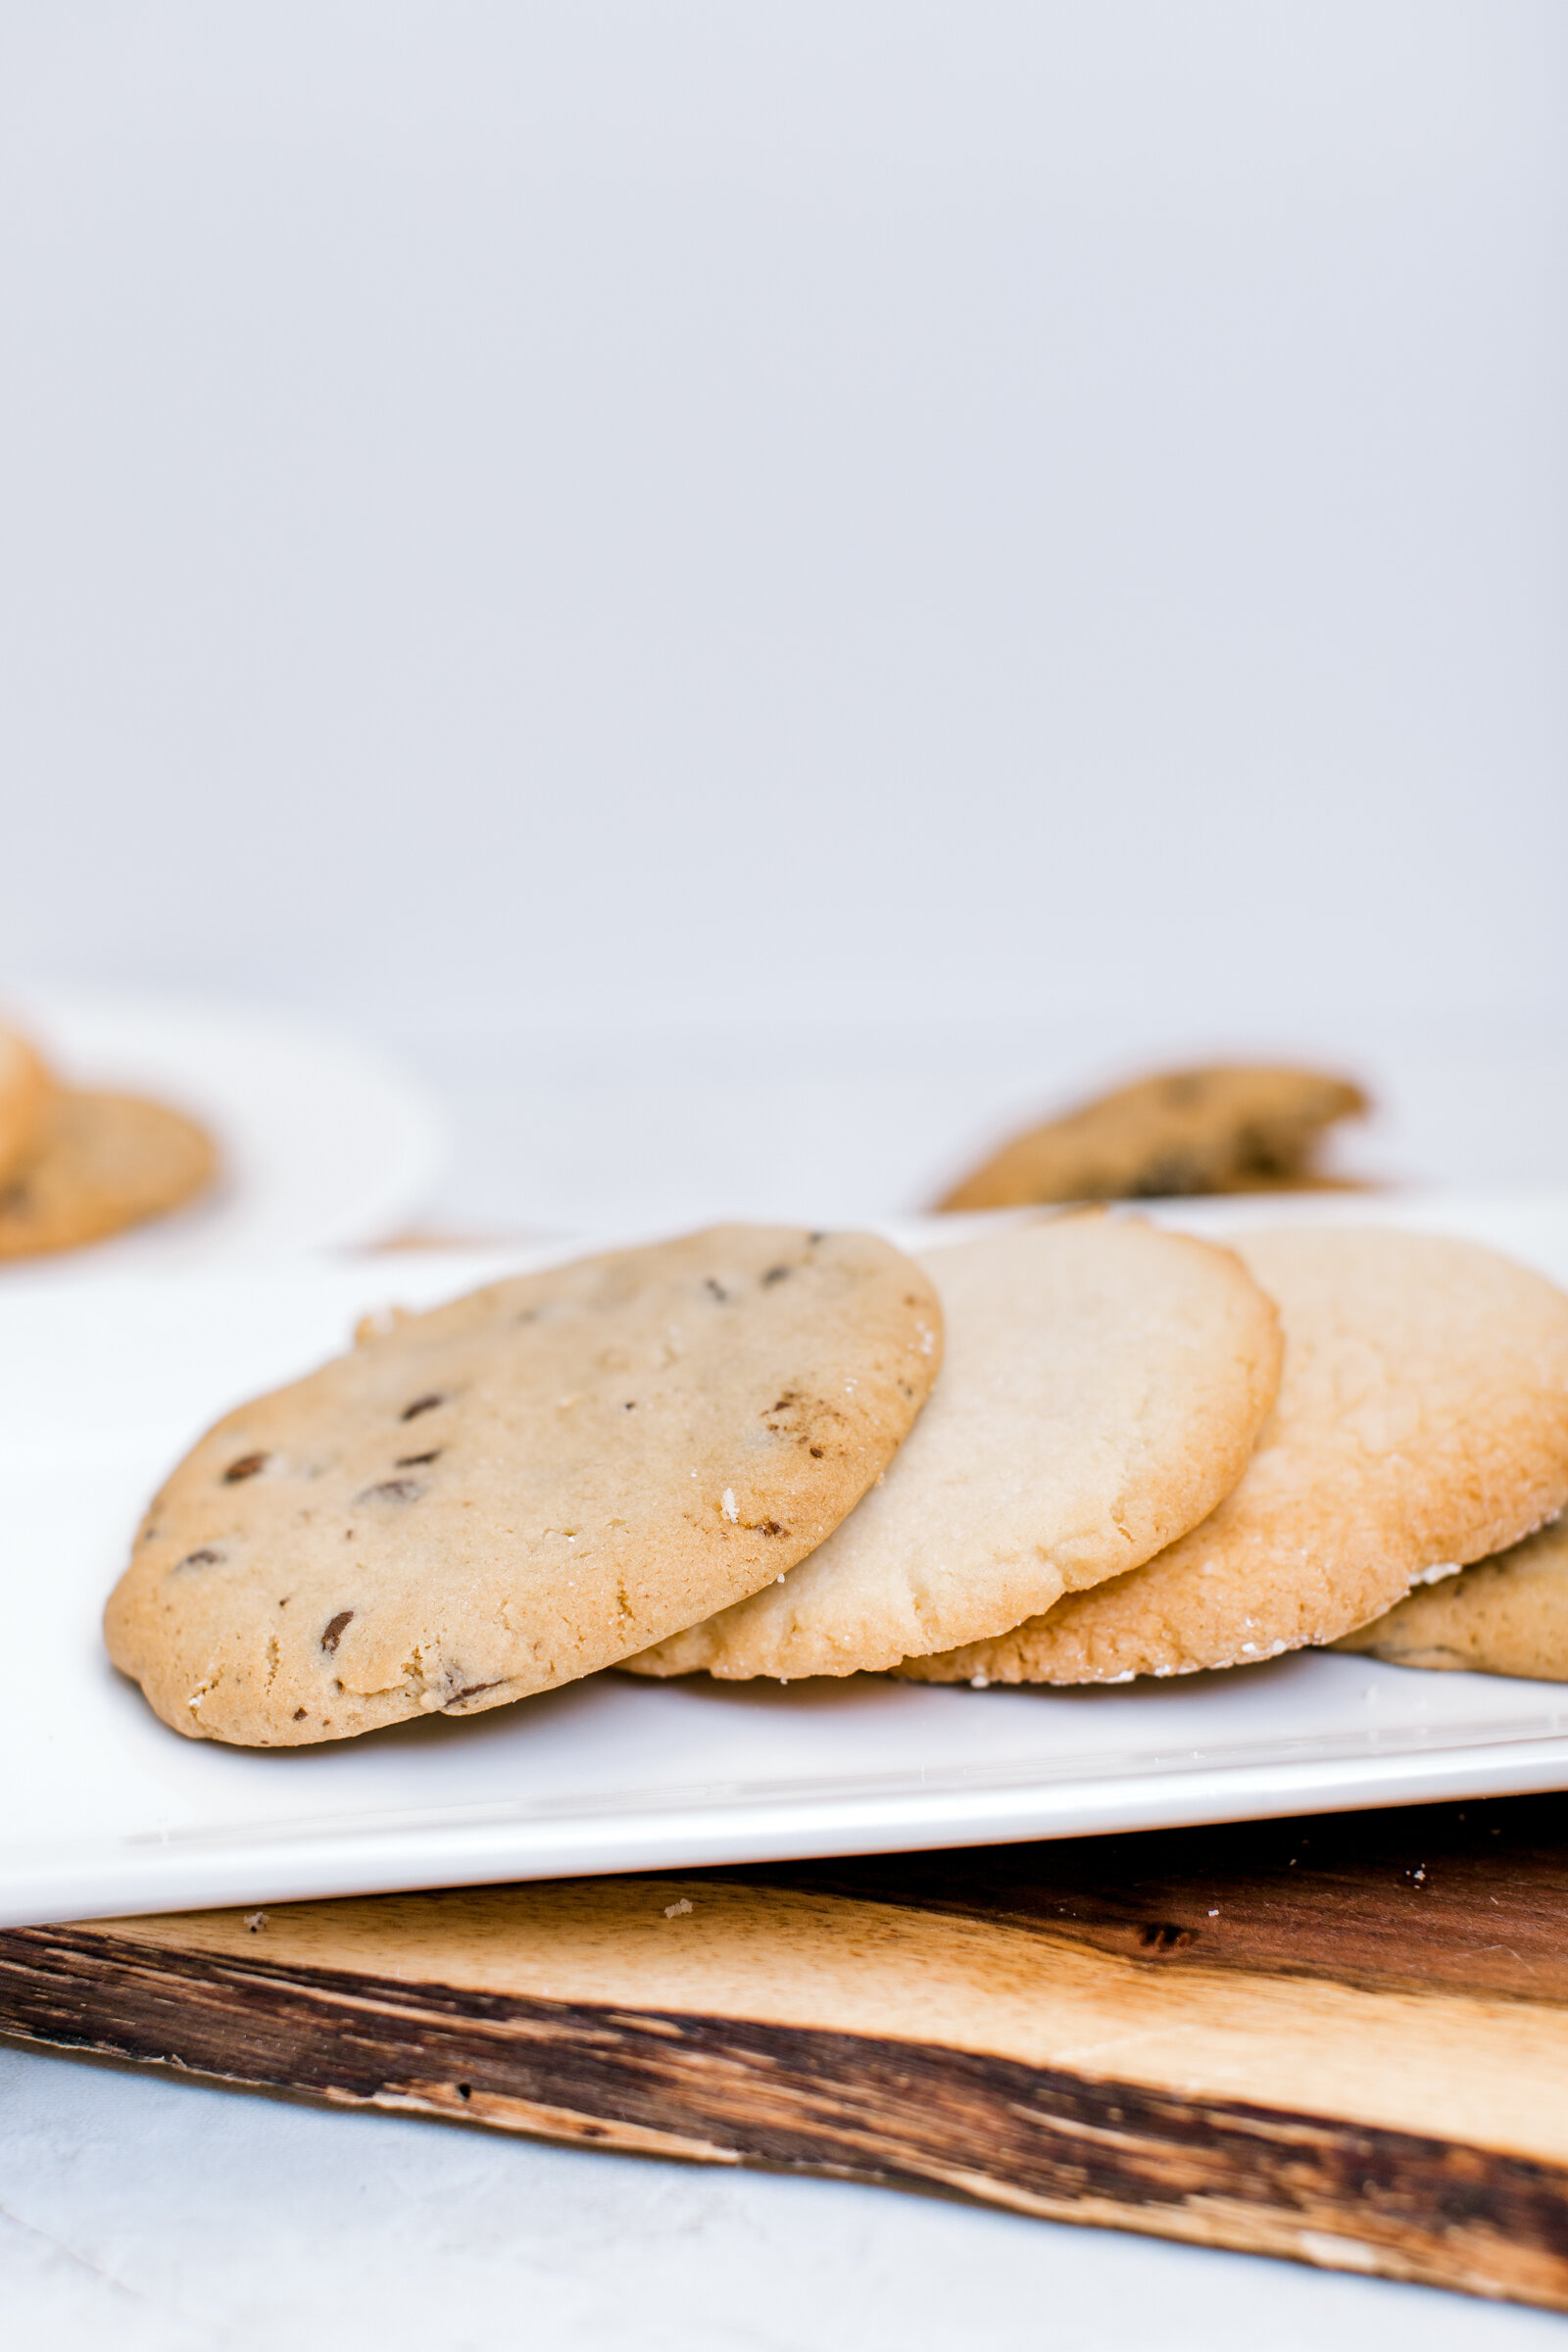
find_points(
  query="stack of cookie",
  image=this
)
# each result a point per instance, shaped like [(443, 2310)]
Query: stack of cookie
[(1082, 1450), (76, 1165)]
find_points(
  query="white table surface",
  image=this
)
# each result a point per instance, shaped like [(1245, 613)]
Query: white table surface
[(159, 2216)]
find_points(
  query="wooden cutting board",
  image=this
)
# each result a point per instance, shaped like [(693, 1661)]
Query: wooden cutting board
[(1343, 2038)]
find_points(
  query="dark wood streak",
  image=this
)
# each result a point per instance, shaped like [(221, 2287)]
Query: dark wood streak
[(902, 2113), (1334, 1896)]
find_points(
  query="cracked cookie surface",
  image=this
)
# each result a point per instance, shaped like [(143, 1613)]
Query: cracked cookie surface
[(523, 1486), (1104, 1386)]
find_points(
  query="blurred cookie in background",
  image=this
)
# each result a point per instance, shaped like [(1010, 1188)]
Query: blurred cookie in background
[(1507, 1615), (1228, 1128), (25, 1088), (95, 1164)]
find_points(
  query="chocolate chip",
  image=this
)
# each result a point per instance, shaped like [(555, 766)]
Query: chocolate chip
[(1260, 1153), (1170, 1177), (206, 1557), (471, 1690), (417, 1461), (768, 1527), (299, 1714), (334, 1632), (630, 1406), (774, 1274), (816, 1453), (393, 1489), (716, 1288), (421, 1404), (246, 1467)]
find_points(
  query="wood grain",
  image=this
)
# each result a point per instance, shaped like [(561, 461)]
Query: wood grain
[(1344, 2040)]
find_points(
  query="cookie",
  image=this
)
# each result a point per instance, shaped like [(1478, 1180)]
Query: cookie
[(1507, 1615), (1422, 1420), (1220, 1130), (105, 1162), (25, 1088), (529, 1484), (1104, 1386)]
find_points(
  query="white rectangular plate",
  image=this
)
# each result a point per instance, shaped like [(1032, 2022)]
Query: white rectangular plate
[(102, 1385)]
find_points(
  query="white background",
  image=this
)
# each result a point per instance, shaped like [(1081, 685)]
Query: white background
[(751, 585), (940, 548)]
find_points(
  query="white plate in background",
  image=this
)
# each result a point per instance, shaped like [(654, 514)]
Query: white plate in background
[(325, 1145), (102, 1385)]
